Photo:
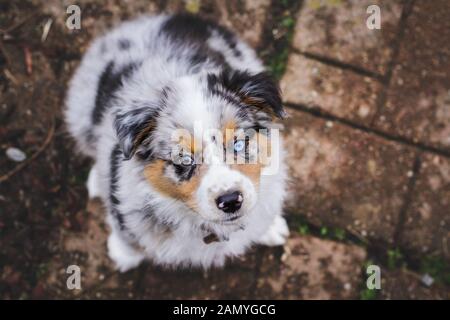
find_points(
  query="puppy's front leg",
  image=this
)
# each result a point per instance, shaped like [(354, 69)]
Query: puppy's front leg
[(277, 233), (93, 183), (124, 255)]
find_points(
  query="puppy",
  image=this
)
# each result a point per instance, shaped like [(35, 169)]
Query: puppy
[(170, 107)]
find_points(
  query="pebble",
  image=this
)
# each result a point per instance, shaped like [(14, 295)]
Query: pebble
[(363, 111), (427, 280), (192, 6), (15, 154)]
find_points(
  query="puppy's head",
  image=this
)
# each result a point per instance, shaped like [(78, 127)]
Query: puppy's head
[(206, 141)]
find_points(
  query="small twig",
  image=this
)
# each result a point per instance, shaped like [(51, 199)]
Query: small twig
[(413, 274), (28, 60), (355, 233), (46, 29), (22, 165), (4, 53), (11, 77)]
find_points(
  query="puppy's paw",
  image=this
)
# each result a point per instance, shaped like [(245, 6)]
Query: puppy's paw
[(123, 255), (277, 233), (92, 184)]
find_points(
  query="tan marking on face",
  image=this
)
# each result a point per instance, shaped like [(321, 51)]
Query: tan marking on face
[(190, 143), (228, 131), (230, 124), (260, 105), (184, 191), (144, 133), (264, 149), (252, 171)]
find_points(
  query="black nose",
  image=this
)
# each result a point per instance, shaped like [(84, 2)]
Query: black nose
[(230, 202)]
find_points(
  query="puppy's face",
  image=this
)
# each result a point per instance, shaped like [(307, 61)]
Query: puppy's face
[(206, 142)]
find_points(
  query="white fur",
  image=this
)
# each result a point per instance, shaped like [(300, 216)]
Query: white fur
[(123, 255), (93, 184), (277, 233)]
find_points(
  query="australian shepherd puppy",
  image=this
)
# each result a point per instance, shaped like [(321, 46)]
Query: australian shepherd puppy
[(178, 115)]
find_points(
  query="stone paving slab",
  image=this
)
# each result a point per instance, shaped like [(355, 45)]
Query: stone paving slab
[(427, 225), (406, 285), (336, 91), (337, 29), (312, 268), (86, 247), (418, 100), (344, 177)]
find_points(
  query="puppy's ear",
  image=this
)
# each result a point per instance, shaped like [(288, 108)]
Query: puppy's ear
[(255, 90), (133, 128)]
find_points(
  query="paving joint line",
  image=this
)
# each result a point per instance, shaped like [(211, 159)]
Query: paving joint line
[(316, 112), (400, 226), (339, 64), (381, 99)]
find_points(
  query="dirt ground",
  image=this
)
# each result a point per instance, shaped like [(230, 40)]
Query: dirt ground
[(394, 181)]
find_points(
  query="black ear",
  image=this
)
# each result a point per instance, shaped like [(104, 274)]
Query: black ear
[(256, 90), (133, 128)]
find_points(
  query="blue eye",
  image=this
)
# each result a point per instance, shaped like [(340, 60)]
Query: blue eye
[(239, 145), (187, 160)]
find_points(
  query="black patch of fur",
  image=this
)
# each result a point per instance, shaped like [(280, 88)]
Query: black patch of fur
[(184, 173), (186, 27), (198, 58), (109, 83), (145, 155), (148, 216), (124, 44), (90, 137), (129, 125), (116, 158), (195, 31), (259, 88)]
